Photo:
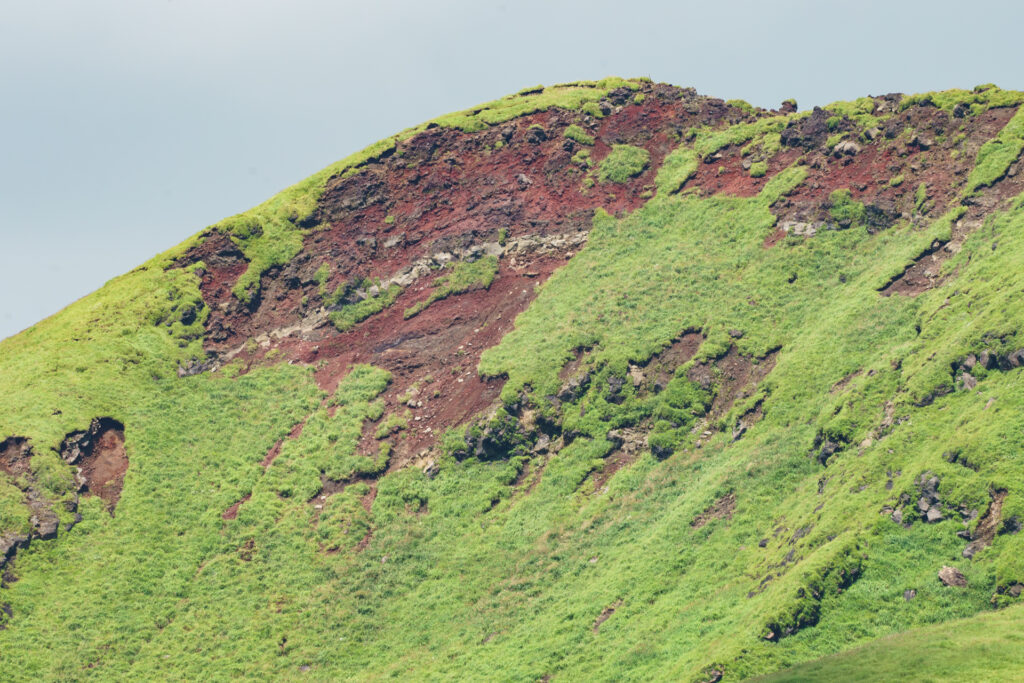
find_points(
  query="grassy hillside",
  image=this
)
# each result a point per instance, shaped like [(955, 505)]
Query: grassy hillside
[(983, 648), (721, 449)]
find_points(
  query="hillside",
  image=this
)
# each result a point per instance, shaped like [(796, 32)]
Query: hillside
[(604, 380)]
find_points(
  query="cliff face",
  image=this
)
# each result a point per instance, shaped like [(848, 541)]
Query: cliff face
[(598, 379)]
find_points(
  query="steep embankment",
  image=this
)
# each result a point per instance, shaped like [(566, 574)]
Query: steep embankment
[(600, 380)]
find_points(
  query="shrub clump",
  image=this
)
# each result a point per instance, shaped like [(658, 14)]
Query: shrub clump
[(462, 277), (577, 133), (624, 162)]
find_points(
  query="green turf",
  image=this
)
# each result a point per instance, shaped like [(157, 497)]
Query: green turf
[(469, 576)]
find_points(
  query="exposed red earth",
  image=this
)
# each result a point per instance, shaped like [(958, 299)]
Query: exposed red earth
[(514, 190)]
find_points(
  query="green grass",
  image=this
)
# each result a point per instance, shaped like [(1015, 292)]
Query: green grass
[(349, 315), (465, 574), (709, 141), (979, 99), (679, 166), (460, 277), (577, 133), (622, 163), (986, 647), (996, 155)]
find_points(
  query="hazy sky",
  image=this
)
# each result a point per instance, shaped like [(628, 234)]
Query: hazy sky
[(128, 125)]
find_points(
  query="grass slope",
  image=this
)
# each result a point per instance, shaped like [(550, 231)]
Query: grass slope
[(475, 574), (983, 648)]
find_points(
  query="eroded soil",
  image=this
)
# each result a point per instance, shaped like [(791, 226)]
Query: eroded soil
[(101, 459)]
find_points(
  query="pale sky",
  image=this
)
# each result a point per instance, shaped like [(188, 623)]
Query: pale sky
[(128, 125)]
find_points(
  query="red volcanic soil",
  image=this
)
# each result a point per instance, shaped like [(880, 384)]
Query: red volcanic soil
[(444, 191), (104, 469)]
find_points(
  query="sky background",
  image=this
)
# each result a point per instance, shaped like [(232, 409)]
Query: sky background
[(128, 125)]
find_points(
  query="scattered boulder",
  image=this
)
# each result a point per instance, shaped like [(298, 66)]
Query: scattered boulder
[(615, 384), (928, 505), (800, 229), (953, 577), (880, 215), (197, 367), (574, 388), (536, 135), (809, 132), (920, 142), (828, 449), (909, 594), (713, 676), (847, 148)]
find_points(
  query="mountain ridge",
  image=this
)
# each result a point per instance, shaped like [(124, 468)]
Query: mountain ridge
[(761, 351)]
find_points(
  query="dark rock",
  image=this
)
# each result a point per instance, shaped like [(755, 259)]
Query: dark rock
[(763, 543), (536, 135), (846, 147), (909, 595), (961, 110), (828, 449), (738, 431), (880, 215), (615, 384), (46, 523), (76, 445), (196, 367), (809, 132), (920, 142), (660, 452), (9, 545), (71, 525), (620, 96), (951, 576), (574, 388), (713, 676)]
